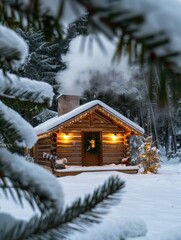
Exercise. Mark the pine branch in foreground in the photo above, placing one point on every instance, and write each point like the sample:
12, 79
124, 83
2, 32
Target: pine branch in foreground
79, 215
14, 129
24, 89
29, 182
14, 190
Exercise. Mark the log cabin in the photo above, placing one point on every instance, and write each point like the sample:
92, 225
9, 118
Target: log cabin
91, 134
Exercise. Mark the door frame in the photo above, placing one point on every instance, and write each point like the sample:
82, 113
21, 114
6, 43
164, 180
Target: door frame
82, 146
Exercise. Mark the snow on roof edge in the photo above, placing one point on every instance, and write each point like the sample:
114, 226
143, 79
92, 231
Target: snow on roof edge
53, 122
67, 94
122, 117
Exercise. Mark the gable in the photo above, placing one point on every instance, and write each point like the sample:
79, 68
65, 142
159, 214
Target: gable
113, 120
99, 120
83, 112
93, 120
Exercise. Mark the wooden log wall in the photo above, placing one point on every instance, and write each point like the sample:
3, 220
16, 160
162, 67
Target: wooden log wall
115, 147
69, 145
43, 145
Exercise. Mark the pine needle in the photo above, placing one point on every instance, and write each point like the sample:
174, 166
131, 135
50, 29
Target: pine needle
81, 213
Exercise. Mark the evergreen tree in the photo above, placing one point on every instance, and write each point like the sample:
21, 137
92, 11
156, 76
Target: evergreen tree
178, 125
78, 27
149, 157
44, 60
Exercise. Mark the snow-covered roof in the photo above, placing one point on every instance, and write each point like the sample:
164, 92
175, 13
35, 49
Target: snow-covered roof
60, 120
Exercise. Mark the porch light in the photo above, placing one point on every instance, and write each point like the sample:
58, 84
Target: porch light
114, 136
66, 136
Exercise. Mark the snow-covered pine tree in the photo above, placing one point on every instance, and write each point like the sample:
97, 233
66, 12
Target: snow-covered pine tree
78, 27
149, 158
135, 143
43, 61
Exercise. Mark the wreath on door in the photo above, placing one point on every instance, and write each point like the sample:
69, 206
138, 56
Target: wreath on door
92, 144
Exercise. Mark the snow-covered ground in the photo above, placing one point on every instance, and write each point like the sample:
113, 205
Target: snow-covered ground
154, 199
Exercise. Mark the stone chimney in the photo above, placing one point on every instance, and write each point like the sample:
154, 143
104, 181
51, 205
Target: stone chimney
67, 103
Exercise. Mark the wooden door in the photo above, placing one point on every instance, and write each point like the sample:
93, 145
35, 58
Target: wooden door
91, 146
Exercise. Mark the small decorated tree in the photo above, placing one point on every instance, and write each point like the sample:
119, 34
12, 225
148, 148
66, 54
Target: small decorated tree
149, 157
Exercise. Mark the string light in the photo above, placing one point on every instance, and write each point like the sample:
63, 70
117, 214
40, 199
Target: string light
99, 110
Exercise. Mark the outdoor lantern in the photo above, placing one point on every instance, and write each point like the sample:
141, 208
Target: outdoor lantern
114, 136
66, 136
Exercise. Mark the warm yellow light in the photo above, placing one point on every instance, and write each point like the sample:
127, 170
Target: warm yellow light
114, 136
92, 142
66, 136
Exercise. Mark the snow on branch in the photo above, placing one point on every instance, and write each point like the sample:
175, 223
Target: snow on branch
155, 24
13, 49
33, 178
15, 129
24, 89
164, 38
8, 226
